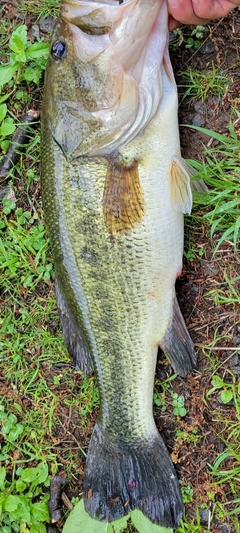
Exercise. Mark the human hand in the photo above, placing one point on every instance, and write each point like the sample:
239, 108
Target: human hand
198, 12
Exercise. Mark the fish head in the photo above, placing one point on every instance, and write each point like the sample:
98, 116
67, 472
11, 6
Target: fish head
99, 87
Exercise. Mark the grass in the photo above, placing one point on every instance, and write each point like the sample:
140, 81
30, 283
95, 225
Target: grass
220, 171
40, 8
47, 410
200, 85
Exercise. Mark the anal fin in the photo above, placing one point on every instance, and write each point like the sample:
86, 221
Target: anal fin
74, 339
177, 343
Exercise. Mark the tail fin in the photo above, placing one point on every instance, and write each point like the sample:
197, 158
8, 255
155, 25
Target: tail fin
177, 343
121, 477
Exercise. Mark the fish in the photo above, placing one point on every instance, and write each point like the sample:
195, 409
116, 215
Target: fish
115, 189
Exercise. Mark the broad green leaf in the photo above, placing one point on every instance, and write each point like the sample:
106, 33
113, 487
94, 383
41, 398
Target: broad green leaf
18, 39
11, 503
21, 57
38, 528
180, 401
20, 485
7, 128
32, 74
15, 432
143, 524
2, 477
12, 419
79, 520
22, 512
4, 145
227, 396
6, 529
217, 382
35, 476
37, 50
39, 512
3, 111
120, 525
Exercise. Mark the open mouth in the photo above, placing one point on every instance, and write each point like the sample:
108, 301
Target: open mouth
92, 16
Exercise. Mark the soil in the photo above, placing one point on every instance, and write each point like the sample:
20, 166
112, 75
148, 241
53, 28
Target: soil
203, 317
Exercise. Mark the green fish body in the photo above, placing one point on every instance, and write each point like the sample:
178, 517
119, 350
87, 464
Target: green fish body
114, 191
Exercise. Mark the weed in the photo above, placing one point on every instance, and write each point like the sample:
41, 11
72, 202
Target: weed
190, 41
20, 505
178, 404
200, 85
220, 171
226, 469
228, 294
229, 391
23, 249
26, 60
193, 40
192, 527
187, 493
17, 510
158, 400
7, 126
87, 399
193, 251
183, 436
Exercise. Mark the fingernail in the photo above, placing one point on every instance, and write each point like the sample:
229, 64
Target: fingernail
195, 1
173, 4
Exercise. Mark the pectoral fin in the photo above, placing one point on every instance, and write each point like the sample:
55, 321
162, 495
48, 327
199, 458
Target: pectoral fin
123, 203
181, 194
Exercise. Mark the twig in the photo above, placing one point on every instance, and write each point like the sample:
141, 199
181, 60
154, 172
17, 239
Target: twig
20, 137
73, 437
216, 348
222, 364
66, 501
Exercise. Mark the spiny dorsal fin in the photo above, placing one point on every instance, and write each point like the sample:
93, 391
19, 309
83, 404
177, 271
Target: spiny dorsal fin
123, 203
181, 194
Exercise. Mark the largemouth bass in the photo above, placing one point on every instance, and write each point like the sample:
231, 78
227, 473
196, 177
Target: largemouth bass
114, 190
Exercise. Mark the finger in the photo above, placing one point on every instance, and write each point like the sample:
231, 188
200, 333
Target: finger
173, 23
213, 9
183, 12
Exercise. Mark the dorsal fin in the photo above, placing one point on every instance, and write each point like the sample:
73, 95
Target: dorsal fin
181, 194
123, 203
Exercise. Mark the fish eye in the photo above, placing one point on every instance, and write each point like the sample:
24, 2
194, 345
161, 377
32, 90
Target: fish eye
58, 50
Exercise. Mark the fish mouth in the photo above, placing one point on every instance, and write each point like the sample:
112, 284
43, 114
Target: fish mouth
94, 17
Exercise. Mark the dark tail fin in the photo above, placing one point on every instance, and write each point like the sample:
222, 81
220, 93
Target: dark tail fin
120, 477
177, 344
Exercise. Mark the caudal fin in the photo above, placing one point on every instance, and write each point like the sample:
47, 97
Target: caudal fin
121, 477
177, 344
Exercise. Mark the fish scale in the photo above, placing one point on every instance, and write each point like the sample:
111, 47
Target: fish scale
114, 209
